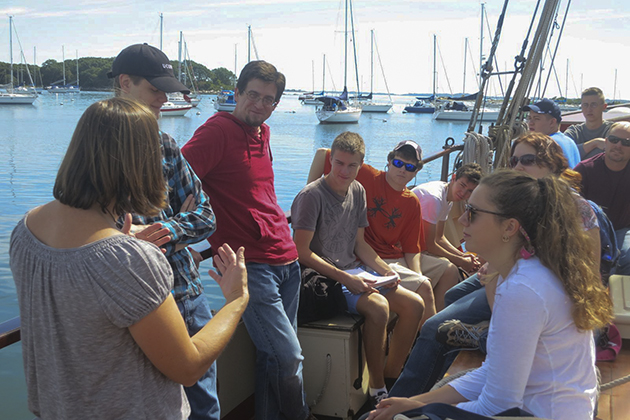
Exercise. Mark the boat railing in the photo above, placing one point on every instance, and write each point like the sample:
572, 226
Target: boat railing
10, 330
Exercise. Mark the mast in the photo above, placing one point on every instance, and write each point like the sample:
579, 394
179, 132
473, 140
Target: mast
434, 63
235, 76
313, 73
249, 42
77, 54
566, 84
371, 61
324, 75
615, 88
11, 48
179, 57
161, 29
465, 53
483, 7
63, 62
345, 51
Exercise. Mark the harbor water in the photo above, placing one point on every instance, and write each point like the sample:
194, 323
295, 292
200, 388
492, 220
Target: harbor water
33, 141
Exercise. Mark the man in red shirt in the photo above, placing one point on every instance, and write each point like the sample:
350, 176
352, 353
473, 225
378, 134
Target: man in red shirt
231, 155
395, 217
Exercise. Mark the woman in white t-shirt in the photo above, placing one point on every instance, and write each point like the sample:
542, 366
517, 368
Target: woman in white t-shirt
548, 299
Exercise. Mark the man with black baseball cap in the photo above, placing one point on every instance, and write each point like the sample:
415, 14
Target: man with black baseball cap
544, 117
144, 73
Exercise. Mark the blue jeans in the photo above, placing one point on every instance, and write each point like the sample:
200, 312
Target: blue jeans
202, 396
429, 359
623, 243
271, 320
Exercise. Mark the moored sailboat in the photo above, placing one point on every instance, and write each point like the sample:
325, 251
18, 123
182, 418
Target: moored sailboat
11, 97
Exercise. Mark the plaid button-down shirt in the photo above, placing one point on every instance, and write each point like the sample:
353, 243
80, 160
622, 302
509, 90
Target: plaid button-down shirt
187, 227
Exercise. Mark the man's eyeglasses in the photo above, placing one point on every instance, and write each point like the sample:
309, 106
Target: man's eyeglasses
526, 160
615, 140
255, 97
409, 167
472, 212
585, 105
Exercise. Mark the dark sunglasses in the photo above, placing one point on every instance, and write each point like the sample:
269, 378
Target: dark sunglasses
615, 140
526, 160
472, 211
409, 167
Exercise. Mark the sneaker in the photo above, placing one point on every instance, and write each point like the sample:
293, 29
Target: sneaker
455, 333
375, 399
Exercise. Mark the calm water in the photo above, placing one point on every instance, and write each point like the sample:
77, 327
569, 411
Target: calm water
33, 140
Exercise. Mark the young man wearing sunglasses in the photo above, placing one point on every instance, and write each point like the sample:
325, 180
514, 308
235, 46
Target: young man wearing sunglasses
395, 230
544, 117
590, 135
329, 218
436, 199
606, 181
231, 154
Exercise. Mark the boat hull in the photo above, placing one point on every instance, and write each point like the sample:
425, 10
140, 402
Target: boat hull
451, 115
350, 115
376, 107
17, 99
224, 106
171, 110
419, 110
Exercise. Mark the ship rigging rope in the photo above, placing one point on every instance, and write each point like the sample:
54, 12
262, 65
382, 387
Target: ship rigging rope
478, 148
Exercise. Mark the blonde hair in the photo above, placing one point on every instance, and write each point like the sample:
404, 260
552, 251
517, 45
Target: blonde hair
547, 210
114, 157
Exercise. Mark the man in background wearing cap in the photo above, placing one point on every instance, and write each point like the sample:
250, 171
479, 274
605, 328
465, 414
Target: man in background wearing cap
395, 231
231, 154
590, 135
329, 218
544, 117
144, 73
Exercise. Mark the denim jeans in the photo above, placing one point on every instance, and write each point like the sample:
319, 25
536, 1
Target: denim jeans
429, 359
202, 396
271, 320
623, 243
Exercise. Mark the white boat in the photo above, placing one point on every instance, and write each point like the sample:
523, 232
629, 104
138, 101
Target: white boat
458, 111
367, 103
10, 97
225, 101
181, 99
170, 109
339, 109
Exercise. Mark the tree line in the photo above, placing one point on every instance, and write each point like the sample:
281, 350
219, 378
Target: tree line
93, 74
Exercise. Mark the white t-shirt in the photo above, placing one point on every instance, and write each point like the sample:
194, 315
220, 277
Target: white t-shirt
537, 359
433, 203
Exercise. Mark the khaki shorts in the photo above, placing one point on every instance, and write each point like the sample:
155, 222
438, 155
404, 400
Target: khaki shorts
433, 267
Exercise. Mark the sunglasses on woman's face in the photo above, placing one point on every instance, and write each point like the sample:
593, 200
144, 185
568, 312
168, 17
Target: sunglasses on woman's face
472, 212
526, 160
409, 167
615, 140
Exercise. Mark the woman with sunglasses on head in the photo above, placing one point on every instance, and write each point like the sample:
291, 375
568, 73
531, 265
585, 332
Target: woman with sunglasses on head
541, 355
102, 336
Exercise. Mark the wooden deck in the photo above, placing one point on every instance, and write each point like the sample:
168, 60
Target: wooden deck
614, 404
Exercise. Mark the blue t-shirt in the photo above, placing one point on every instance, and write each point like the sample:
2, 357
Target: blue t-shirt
569, 148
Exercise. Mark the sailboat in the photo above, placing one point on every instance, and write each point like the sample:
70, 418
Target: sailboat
178, 98
65, 88
10, 96
338, 109
424, 105
368, 104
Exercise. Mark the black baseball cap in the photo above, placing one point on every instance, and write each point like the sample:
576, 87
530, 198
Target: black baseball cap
545, 106
150, 63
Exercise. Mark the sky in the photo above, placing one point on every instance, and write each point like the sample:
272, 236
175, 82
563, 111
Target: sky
294, 35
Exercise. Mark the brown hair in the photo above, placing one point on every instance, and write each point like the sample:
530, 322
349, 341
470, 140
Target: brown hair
546, 208
264, 71
348, 142
550, 154
114, 157
118, 89
594, 91
472, 171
